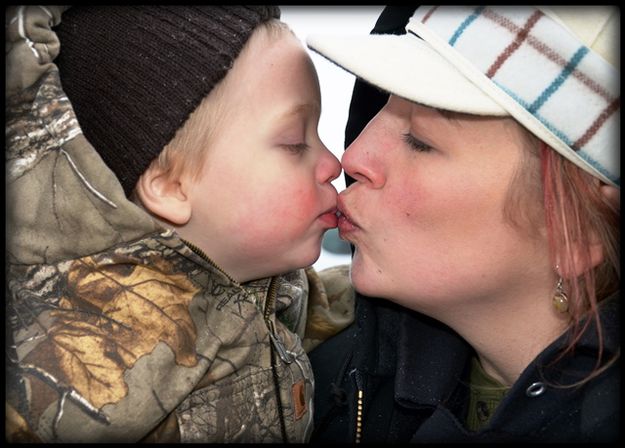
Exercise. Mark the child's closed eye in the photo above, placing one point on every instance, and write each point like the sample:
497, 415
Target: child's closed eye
296, 148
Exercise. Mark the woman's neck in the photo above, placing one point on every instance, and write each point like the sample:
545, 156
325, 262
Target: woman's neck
508, 334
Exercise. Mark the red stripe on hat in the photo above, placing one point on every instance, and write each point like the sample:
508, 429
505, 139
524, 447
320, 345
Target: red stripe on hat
550, 54
429, 14
521, 36
602, 118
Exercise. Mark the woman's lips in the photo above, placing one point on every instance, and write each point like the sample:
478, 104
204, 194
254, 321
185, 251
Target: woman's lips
345, 222
345, 225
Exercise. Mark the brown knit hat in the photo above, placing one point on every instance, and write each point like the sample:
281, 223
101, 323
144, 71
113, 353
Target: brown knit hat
135, 73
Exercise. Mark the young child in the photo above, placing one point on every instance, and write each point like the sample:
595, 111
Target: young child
168, 317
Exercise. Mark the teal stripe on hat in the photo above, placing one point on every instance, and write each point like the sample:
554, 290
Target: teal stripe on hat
555, 85
584, 155
596, 165
572, 102
545, 123
463, 26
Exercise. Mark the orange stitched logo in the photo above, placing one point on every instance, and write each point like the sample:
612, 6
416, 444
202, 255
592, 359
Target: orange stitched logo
299, 398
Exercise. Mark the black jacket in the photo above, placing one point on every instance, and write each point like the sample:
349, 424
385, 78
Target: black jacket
413, 372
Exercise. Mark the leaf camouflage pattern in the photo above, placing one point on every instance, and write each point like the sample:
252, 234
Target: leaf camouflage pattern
109, 318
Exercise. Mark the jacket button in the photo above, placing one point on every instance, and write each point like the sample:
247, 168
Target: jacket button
535, 389
482, 411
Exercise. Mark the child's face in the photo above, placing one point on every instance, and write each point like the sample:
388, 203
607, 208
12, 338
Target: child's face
264, 199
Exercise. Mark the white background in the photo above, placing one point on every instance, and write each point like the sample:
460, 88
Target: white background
336, 83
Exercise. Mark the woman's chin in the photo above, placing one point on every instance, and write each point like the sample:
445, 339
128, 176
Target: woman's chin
364, 279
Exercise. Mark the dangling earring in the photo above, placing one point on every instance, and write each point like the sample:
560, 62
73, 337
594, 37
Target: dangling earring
560, 300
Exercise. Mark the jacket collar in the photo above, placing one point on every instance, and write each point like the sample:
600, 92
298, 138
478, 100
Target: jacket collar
432, 358
425, 356
587, 348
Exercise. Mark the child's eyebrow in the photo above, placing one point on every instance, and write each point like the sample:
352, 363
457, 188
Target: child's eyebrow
302, 109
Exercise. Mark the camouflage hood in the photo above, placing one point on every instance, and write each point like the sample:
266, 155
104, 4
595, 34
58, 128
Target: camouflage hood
117, 330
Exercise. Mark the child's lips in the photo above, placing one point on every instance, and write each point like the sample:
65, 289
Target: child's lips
329, 218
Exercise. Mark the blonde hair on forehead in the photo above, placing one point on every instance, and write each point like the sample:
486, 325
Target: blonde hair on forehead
186, 152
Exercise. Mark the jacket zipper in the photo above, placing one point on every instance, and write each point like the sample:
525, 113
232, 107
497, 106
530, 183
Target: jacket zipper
276, 343
206, 258
359, 403
276, 346
359, 415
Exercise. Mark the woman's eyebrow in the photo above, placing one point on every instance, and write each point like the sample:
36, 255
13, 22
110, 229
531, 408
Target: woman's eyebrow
451, 116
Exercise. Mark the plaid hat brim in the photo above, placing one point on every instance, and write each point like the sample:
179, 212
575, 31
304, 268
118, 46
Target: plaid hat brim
408, 67
506, 61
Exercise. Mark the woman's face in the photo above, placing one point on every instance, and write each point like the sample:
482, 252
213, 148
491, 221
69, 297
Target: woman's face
426, 211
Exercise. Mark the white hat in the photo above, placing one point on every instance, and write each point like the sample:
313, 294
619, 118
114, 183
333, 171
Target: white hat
547, 68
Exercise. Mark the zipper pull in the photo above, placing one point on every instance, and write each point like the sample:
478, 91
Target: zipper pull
285, 356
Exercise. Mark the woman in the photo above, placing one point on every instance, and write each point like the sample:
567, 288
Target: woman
485, 207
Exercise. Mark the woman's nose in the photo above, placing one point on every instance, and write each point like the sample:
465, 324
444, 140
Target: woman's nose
361, 162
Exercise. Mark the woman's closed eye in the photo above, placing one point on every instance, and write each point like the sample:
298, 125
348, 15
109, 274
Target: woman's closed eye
415, 144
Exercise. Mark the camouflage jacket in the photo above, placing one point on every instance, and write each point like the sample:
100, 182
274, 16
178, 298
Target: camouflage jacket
116, 329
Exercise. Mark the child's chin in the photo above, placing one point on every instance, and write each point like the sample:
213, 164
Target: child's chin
309, 258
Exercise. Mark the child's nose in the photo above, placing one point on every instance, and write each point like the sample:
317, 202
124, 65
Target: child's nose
331, 167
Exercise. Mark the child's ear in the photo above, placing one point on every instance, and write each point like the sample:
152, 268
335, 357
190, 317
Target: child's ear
164, 196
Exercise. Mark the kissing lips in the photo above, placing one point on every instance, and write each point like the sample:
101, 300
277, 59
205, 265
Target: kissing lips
329, 218
346, 223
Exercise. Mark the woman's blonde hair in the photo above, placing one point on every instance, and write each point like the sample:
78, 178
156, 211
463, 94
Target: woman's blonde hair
578, 216
575, 215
